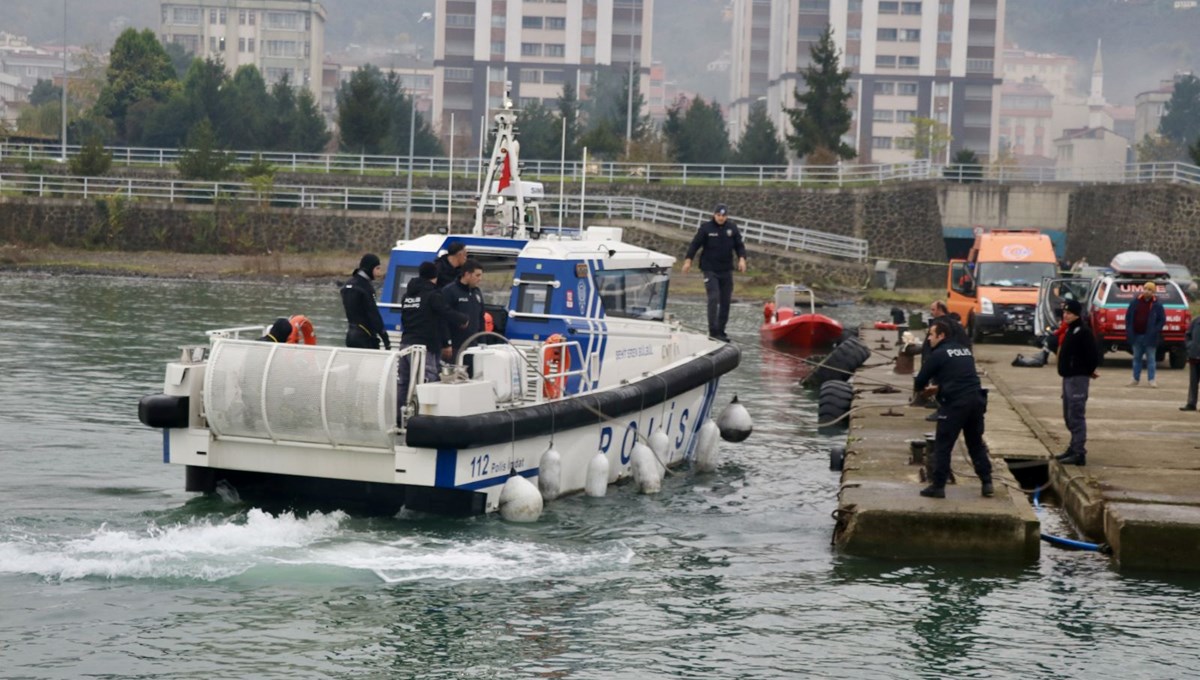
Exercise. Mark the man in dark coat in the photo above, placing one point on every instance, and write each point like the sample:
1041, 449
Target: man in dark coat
961, 406
449, 266
465, 297
1078, 358
718, 238
1144, 321
365, 325
425, 316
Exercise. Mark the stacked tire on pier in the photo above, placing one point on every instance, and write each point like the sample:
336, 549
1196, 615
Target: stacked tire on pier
831, 378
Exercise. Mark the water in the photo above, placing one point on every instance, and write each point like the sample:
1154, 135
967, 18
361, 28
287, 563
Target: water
109, 569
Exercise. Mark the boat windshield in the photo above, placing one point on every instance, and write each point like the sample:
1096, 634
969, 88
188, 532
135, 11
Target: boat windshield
1014, 274
634, 293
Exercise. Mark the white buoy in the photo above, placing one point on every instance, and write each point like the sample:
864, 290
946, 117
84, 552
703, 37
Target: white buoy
734, 422
550, 474
706, 447
646, 470
520, 500
660, 444
596, 484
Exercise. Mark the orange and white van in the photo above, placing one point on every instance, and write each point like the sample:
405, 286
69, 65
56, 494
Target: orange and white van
995, 289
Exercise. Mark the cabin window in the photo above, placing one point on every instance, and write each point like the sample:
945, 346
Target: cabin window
400, 282
634, 293
533, 296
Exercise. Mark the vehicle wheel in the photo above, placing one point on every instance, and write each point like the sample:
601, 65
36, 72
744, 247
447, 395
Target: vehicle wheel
1178, 357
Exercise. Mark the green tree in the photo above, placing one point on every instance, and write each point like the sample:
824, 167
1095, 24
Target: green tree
203, 159
181, 59
308, 133
930, 139
43, 92
608, 102
965, 167
398, 105
603, 141
244, 113
822, 116
362, 116
540, 133
696, 132
93, 159
1159, 149
41, 121
568, 110
760, 143
138, 70
1194, 151
1181, 118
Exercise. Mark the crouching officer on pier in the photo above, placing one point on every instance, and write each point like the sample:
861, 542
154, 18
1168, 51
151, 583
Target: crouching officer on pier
961, 405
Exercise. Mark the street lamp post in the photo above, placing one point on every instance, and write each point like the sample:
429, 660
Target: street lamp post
412, 129
629, 104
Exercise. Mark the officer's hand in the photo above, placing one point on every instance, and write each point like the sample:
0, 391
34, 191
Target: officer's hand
1095, 375
929, 391
447, 353
687, 266
742, 265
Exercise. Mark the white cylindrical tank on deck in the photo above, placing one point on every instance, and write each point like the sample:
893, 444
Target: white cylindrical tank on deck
520, 501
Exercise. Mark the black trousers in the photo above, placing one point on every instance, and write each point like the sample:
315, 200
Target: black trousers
357, 337
719, 288
1193, 382
964, 416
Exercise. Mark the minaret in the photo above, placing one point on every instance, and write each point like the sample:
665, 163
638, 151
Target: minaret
1096, 97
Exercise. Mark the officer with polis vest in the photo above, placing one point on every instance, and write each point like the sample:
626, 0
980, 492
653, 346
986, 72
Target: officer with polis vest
718, 238
464, 296
961, 405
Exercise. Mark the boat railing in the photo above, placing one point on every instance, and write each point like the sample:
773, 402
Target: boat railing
546, 379
416, 377
236, 333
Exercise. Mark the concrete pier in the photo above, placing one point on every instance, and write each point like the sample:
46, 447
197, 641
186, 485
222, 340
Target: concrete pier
1139, 492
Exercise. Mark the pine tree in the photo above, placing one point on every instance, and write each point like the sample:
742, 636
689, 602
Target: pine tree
362, 116
540, 133
822, 117
93, 159
309, 134
696, 132
1194, 151
1181, 118
202, 159
760, 143
568, 110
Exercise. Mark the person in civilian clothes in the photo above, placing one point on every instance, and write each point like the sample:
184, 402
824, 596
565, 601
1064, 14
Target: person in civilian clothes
1078, 358
718, 238
961, 407
1144, 321
1193, 353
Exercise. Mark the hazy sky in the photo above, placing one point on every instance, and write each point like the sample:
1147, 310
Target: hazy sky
1143, 41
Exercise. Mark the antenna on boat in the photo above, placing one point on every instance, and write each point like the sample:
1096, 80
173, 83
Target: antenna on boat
502, 182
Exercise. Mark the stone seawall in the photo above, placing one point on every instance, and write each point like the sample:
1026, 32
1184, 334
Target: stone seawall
1161, 218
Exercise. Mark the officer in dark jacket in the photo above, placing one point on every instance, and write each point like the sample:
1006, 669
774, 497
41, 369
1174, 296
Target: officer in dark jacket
362, 314
465, 297
719, 238
961, 405
425, 315
1078, 358
449, 266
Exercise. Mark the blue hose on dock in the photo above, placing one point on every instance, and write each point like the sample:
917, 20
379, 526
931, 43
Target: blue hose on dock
1071, 543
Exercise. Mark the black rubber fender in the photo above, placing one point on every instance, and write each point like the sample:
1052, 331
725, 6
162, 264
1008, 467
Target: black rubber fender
837, 458
164, 410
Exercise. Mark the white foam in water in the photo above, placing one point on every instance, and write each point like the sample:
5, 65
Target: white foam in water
210, 552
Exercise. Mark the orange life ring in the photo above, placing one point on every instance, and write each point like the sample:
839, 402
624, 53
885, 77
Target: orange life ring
885, 326
555, 360
489, 324
768, 312
302, 329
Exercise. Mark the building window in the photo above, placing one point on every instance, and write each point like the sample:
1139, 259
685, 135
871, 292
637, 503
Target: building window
532, 22
212, 44
885, 87
275, 74
886, 34
853, 34
910, 62
943, 63
556, 23
531, 75
979, 66
885, 61
249, 44
556, 50
945, 36
814, 6
221, 17
188, 16
283, 21
881, 142
281, 48
905, 143
910, 8
531, 49
946, 8
497, 48
588, 24
553, 77
883, 115
461, 75
526, 102
854, 6
887, 7
910, 35
499, 21
251, 17
242, 18
906, 89
212, 16
460, 20
905, 116
852, 60
241, 44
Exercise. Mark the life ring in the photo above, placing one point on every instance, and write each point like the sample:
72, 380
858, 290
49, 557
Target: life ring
489, 324
768, 312
555, 362
302, 330
885, 326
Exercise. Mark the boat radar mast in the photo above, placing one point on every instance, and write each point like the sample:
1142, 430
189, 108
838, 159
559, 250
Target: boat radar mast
504, 195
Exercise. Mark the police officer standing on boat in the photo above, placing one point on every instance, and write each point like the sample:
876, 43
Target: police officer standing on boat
961, 405
464, 296
365, 325
719, 238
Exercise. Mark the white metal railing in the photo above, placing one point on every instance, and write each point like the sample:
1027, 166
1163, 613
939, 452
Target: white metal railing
572, 213
679, 173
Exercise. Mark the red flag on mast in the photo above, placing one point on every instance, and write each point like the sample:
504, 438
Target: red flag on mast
505, 173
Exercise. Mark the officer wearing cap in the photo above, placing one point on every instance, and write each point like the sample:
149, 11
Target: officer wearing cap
718, 239
364, 324
426, 318
961, 405
1078, 358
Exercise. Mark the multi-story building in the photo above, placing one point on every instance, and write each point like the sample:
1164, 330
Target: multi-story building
750, 60
280, 37
537, 45
1026, 113
1150, 106
935, 59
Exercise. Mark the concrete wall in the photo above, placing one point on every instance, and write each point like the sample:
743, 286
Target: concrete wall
1004, 206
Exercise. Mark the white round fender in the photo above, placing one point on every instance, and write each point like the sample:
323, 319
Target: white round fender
520, 500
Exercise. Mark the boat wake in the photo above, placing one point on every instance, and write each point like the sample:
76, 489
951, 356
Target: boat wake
289, 548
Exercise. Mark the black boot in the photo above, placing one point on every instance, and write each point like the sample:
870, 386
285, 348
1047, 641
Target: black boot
934, 491
987, 490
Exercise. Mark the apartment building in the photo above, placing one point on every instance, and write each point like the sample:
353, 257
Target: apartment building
935, 59
537, 45
280, 37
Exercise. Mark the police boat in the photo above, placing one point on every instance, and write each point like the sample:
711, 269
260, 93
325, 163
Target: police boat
584, 380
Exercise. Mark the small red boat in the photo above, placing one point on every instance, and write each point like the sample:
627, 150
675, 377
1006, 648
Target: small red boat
783, 325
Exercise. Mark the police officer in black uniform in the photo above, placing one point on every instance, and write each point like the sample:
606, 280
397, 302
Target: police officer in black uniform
362, 314
961, 405
719, 238
449, 266
425, 316
464, 296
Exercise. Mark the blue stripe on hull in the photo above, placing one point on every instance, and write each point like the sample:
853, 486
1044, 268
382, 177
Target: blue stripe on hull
166, 445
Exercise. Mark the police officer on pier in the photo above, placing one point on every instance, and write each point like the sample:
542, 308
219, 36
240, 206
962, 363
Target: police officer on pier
961, 405
719, 238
